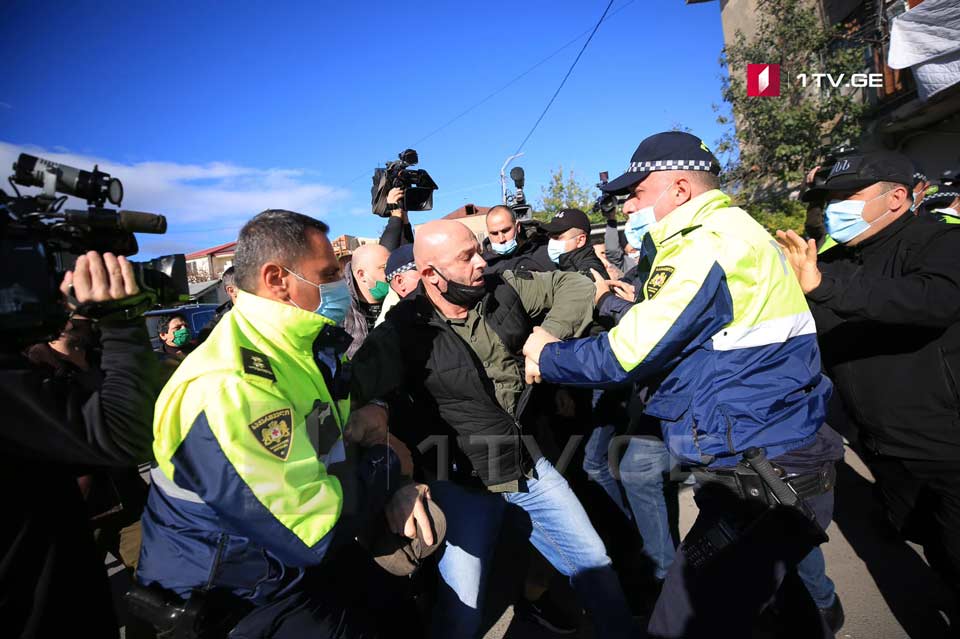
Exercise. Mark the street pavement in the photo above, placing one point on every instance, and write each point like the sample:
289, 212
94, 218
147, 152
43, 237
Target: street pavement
887, 589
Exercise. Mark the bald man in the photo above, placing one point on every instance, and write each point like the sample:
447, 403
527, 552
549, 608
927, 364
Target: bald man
368, 286
447, 361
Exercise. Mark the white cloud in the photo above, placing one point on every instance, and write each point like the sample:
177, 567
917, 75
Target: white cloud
200, 201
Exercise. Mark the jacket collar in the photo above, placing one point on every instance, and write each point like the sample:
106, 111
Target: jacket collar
887, 233
688, 216
280, 323
571, 260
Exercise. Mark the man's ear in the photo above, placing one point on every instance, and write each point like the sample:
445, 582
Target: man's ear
581, 240
896, 197
429, 274
684, 192
275, 281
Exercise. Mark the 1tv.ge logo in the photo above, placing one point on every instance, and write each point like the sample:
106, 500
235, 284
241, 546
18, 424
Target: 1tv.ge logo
763, 80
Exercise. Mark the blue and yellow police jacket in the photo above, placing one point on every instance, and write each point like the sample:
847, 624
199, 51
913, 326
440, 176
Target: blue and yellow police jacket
244, 431
725, 322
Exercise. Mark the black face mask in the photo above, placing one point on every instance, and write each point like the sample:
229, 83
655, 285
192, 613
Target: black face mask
461, 294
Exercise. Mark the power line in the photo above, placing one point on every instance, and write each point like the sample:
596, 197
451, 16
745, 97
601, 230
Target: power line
569, 71
514, 80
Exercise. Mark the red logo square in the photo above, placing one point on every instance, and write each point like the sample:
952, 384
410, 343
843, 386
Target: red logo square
763, 80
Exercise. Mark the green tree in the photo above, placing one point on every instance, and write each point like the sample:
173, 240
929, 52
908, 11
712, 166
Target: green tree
566, 193
770, 142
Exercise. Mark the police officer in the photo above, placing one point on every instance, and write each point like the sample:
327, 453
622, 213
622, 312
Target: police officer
943, 199
728, 329
248, 434
887, 306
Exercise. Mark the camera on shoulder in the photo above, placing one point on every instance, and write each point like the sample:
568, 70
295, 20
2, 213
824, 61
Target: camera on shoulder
40, 240
417, 185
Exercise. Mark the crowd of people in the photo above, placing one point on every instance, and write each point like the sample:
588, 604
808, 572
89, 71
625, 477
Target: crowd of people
404, 442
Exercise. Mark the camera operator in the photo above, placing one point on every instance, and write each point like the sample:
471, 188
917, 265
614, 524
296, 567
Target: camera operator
398, 230
52, 581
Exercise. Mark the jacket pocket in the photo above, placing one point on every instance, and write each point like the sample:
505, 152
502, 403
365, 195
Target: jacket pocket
668, 406
951, 373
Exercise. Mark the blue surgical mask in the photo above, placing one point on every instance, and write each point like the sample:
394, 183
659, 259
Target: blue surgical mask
556, 248
505, 248
334, 299
844, 218
638, 223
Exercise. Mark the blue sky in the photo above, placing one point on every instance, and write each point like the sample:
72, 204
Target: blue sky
210, 112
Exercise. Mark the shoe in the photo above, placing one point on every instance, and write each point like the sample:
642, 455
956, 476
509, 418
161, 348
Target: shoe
544, 612
833, 615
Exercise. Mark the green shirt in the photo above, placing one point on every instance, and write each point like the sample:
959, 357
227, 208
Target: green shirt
564, 300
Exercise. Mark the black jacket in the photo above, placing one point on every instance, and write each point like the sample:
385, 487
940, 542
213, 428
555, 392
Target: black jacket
888, 321
361, 315
432, 377
396, 233
581, 260
52, 581
530, 255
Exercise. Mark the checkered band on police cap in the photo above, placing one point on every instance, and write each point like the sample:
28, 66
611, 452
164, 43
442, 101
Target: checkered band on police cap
409, 266
671, 165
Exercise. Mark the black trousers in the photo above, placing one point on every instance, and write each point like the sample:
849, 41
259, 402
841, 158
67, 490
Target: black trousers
922, 499
726, 596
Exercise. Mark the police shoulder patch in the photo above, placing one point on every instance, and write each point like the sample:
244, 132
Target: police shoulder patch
256, 363
274, 431
657, 279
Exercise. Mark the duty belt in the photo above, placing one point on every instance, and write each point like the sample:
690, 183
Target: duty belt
745, 482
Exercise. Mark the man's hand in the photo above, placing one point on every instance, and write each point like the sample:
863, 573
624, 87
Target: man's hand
623, 290
395, 196
532, 349
602, 286
802, 256
99, 279
531, 371
407, 512
406, 459
367, 426
811, 174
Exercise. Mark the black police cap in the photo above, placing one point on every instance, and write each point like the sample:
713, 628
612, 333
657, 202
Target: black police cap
668, 151
568, 219
854, 172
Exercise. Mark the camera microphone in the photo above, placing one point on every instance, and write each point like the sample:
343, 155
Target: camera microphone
140, 222
93, 186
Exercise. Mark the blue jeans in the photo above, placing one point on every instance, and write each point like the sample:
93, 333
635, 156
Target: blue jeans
561, 532
642, 471
596, 463
812, 570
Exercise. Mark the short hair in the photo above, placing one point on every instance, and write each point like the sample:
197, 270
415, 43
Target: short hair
704, 179
272, 235
163, 325
889, 186
229, 277
510, 211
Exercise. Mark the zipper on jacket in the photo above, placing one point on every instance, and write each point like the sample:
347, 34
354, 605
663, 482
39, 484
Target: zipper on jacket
730, 447
221, 544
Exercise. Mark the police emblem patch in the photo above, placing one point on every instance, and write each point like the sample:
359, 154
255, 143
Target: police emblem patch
256, 363
274, 431
657, 279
